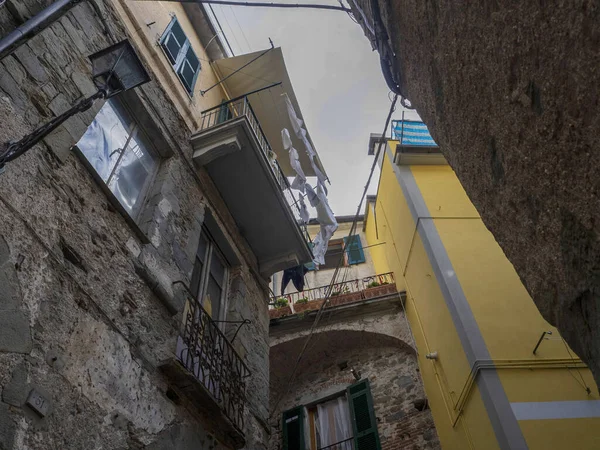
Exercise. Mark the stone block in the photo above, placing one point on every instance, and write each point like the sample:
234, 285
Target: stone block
60, 142
75, 35
49, 90
11, 88
10, 293
31, 63
16, 390
4, 251
15, 69
15, 335
7, 428
84, 83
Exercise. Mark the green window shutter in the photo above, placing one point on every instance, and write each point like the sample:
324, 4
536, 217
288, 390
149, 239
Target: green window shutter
293, 429
364, 422
354, 249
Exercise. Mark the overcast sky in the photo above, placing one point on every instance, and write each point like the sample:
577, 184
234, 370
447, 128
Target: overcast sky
337, 80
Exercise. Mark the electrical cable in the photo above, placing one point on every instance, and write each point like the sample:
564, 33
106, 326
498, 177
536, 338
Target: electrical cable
263, 4
585, 386
329, 289
221, 28
241, 29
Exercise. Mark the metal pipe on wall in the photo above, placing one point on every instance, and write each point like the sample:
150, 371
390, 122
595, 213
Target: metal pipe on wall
42, 20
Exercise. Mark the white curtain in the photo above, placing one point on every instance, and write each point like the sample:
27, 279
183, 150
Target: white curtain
334, 424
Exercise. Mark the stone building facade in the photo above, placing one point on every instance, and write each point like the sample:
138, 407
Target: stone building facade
93, 300
362, 335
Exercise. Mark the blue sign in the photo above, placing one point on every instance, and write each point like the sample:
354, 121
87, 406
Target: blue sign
411, 132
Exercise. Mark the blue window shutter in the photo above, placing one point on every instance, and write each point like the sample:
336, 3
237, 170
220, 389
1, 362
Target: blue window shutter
173, 40
293, 429
364, 422
354, 250
189, 68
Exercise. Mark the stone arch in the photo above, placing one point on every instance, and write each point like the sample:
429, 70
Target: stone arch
327, 349
390, 324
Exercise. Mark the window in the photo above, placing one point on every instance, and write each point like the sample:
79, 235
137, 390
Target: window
181, 55
350, 245
344, 422
333, 254
354, 250
209, 277
121, 154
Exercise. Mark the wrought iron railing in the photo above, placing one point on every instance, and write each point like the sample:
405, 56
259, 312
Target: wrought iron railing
241, 108
344, 287
346, 444
207, 354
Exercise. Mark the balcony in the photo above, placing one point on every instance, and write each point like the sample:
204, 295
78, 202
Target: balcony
208, 371
344, 293
232, 146
415, 144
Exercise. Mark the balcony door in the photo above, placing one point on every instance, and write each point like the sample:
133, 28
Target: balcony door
202, 347
209, 277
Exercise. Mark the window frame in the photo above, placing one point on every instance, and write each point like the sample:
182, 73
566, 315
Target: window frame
181, 57
200, 285
136, 128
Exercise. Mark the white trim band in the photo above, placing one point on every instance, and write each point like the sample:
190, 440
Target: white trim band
577, 409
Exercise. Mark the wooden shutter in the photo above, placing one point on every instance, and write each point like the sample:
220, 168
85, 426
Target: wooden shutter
293, 429
354, 249
364, 423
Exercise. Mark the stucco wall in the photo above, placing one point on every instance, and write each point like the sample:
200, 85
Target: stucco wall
88, 309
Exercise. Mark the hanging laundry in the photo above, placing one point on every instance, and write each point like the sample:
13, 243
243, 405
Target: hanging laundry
303, 210
296, 276
313, 199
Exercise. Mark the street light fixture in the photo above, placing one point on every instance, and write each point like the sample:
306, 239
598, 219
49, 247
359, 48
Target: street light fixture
114, 70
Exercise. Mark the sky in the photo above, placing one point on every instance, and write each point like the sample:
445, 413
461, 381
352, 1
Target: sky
337, 81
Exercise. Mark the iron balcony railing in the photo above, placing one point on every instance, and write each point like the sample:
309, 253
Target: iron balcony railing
345, 287
346, 444
241, 107
207, 354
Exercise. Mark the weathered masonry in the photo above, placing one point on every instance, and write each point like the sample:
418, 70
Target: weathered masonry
133, 282
358, 384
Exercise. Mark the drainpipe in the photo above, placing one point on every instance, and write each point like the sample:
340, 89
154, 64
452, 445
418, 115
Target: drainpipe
34, 25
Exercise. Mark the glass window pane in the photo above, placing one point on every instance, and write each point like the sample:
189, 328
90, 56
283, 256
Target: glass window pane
127, 171
105, 137
212, 299
132, 174
202, 247
173, 41
217, 269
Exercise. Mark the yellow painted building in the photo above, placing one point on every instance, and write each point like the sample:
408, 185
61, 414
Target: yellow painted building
473, 322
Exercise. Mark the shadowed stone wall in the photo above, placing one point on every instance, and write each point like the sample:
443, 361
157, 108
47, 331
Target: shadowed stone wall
509, 90
88, 309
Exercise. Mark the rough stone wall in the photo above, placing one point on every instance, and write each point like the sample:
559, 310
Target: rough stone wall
509, 91
392, 324
88, 309
391, 368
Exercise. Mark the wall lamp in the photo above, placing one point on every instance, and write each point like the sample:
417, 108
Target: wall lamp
115, 69
356, 374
